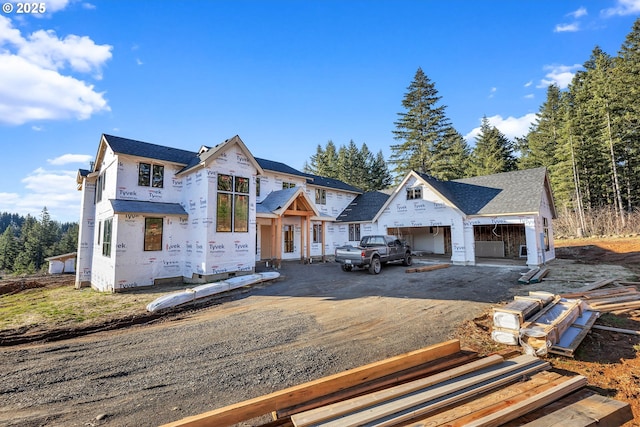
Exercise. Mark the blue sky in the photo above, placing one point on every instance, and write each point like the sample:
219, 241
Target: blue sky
284, 75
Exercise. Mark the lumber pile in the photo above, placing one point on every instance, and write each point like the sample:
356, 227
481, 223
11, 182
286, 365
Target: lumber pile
426, 268
617, 299
437, 385
535, 275
543, 323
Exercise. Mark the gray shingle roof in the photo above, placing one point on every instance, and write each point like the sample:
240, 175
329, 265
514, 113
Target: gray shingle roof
275, 200
330, 183
364, 207
148, 150
140, 207
278, 167
503, 193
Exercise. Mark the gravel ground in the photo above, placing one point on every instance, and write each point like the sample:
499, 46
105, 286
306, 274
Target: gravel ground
314, 321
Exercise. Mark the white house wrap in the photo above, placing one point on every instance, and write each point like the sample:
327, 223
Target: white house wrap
153, 213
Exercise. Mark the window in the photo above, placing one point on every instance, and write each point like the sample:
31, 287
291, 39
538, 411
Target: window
354, 232
286, 185
232, 204
414, 193
153, 234
317, 233
321, 196
150, 175
258, 187
545, 229
100, 184
99, 230
106, 237
288, 238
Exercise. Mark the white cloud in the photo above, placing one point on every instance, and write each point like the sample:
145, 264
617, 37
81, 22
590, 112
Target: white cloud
578, 13
529, 96
70, 158
622, 8
32, 85
88, 6
511, 127
564, 28
56, 5
561, 75
54, 190
139, 62
529, 83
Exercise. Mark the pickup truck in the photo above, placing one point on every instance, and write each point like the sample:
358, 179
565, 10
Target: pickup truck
372, 253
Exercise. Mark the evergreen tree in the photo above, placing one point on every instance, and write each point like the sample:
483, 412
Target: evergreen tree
420, 128
543, 136
451, 156
8, 248
493, 152
378, 177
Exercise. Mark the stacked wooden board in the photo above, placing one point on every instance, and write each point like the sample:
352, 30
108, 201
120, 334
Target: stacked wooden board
619, 298
437, 385
508, 319
535, 275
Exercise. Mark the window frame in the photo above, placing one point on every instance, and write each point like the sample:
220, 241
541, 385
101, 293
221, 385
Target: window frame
153, 176
107, 237
414, 193
354, 232
317, 233
321, 196
232, 203
151, 242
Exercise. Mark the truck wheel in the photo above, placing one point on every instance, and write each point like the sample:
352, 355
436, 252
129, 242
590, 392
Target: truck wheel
346, 267
408, 260
375, 266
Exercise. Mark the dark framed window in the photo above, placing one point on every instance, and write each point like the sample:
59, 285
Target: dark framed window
100, 185
258, 187
317, 233
232, 209
153, 234
288, 238
150, 175
321, 196
354, 232
414, 193
106, 237
545, 229
286, 185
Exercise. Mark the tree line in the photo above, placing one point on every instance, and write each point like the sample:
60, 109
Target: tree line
25, 242
587, 136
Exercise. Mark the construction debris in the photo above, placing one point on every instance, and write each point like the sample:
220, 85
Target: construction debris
438, 385
427, 268
534, 275
544, 323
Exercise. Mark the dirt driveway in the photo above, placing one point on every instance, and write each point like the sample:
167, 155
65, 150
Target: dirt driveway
314, 321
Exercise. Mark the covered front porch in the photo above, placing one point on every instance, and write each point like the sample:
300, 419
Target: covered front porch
289, 227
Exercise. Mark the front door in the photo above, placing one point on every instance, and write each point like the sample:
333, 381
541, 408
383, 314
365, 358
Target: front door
266, 242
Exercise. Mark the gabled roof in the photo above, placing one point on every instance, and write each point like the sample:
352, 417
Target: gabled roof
142, 207
508, 193
364, 207
279, 201
207, 154
514, 192
151, 151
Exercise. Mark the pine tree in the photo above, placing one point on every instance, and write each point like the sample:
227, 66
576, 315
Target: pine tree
451, 156
8, 248
420, 128
493, 152
378, 177
544, 133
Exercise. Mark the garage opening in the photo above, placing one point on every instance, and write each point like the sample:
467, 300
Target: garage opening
425, 240
500, 241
